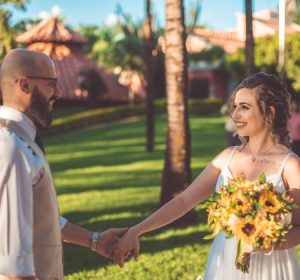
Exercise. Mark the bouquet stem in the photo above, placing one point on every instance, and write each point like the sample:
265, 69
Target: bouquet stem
242, 260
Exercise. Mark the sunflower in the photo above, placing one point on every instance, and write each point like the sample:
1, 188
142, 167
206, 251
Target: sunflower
246, 231
244, 206
270, 202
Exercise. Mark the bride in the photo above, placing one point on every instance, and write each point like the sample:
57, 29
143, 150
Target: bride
260, 109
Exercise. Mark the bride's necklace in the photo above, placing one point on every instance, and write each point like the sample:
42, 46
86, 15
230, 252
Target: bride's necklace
253, 158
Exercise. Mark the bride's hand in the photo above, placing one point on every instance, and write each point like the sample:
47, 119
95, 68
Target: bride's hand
129, 242
266, 251
270, 250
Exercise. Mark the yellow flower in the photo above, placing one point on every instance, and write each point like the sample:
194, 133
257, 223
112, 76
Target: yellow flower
270, 202
246, 231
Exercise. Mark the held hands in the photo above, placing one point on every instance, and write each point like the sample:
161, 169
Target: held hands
129, 242
108, 241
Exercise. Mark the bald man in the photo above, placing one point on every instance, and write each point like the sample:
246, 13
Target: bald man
30, 227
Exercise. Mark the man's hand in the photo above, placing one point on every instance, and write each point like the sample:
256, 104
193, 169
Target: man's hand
108, 241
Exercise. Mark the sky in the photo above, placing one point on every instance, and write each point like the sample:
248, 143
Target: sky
216, 14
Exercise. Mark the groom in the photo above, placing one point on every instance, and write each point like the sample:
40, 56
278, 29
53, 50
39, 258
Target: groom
31, 228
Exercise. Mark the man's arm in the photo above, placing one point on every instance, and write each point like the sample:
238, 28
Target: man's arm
80, 236
21, 278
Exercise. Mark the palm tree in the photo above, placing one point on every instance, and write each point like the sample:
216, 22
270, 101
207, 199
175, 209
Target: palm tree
193, 15
6, 33
249, 48
289, 11
177, 171
149, 47
6, 37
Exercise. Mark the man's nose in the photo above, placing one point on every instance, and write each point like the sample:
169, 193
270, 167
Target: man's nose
58, 92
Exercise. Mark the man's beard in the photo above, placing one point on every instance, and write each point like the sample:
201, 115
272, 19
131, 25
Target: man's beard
39, 110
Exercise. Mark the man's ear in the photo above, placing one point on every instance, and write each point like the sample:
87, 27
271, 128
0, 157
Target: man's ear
24, 84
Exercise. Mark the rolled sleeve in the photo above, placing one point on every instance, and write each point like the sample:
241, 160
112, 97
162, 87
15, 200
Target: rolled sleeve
62, 221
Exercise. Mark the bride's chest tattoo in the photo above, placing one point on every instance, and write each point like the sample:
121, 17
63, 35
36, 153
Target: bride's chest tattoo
263, 165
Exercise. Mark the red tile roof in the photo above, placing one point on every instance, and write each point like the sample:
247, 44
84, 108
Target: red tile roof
50, 30
226, 39
208, 33
230, 41
62, 45
290, 28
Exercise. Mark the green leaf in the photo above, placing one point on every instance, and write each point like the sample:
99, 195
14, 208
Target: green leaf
213, 198
211, 236
262, 178
232, 188
228, 235
248, 217
257, 206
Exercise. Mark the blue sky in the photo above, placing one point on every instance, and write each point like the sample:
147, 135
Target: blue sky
217, 14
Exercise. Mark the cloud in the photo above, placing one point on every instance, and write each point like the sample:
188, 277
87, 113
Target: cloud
56, 10
43, 15
111, 20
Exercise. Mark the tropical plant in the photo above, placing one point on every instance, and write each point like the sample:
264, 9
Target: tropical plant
266, 59
90, 33
6, 31
120, 45
214, 54
193, 15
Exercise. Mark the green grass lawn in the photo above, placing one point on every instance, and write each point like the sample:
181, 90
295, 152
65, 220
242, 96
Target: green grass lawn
105, 179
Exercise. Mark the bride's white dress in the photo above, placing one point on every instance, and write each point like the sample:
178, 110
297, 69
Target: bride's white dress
279, 265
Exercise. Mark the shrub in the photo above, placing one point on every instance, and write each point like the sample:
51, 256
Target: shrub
79, 120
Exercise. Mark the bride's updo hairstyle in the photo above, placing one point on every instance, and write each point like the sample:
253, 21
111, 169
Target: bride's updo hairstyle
270, 92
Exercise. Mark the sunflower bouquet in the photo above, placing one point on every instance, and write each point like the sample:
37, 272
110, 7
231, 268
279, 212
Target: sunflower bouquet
253, 212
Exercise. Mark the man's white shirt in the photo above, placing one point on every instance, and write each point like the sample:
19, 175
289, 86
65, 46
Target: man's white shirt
20, 170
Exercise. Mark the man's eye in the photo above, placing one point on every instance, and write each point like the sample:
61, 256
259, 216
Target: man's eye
53, 85
245, 108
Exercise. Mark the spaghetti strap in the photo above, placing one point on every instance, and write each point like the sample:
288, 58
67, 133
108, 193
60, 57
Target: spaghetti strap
284, 162
231, 155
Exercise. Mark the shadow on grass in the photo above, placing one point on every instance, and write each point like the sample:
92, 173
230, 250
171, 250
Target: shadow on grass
93, 149
116, 146
118, 157
82, 218
139, 212
93, 261
149, 244
108, 181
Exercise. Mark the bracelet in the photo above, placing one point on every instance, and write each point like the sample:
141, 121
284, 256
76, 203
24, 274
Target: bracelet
95, 238
270, 252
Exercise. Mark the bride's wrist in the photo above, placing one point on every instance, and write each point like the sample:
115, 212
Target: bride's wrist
136, 230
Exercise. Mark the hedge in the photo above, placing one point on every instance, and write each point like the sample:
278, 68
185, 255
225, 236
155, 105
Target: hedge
85, 118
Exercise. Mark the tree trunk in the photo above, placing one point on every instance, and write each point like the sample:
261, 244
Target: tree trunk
249, 49
149, 46
177, 171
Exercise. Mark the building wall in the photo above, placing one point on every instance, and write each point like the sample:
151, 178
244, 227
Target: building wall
216, 80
